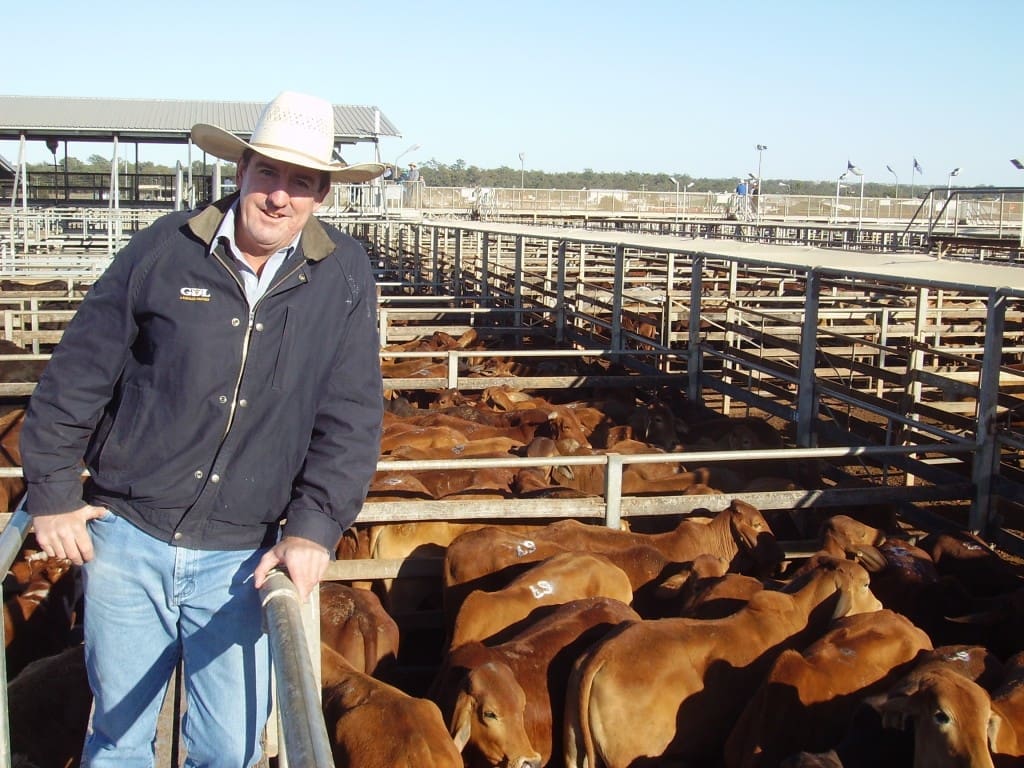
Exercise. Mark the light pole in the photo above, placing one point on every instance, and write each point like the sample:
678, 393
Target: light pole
858, 172
890, 170
760, 156
684, 194
949, 180
522, 176
949, 194
839, 185
402, 154
675, 181
760, 153
1019, 165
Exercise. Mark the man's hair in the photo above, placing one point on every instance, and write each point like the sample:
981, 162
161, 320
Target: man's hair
325, 176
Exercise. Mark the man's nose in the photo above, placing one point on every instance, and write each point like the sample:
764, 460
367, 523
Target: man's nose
277, 196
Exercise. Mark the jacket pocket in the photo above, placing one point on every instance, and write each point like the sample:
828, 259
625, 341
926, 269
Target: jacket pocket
134, 445
283, 359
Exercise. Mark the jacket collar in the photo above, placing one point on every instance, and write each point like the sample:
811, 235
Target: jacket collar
314, 241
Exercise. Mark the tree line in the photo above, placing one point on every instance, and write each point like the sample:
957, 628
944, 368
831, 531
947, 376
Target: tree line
460, 174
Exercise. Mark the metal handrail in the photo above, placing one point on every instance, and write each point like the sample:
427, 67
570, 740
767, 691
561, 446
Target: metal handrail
945, 196
11, 541
303, 729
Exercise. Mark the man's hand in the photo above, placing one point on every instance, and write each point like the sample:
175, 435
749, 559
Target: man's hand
65, 535
305, 560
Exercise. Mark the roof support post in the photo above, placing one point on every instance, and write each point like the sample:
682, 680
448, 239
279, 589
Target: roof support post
179, 186
517, 286
21, 174
560, 293
618, 284
435, 268
484, 249
986, 456
694, 359
807, 396
114, 201
457, 263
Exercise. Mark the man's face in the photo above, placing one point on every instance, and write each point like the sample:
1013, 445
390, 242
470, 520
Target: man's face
276, 201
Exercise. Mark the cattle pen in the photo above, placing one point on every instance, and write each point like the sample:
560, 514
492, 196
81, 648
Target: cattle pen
874, 353
892, 381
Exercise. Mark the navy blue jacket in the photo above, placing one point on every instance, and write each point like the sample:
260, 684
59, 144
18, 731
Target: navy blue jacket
201, 421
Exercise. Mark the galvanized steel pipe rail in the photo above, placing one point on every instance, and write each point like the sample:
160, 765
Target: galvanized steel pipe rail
305, 741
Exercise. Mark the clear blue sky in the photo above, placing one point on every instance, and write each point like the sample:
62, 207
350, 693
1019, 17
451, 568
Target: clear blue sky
679, 86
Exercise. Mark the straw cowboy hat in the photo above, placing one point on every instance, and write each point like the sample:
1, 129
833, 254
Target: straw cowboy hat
294, 128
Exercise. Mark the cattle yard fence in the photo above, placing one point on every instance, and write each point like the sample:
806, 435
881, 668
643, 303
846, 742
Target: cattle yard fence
911, 386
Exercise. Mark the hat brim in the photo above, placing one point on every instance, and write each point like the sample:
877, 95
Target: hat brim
227, 146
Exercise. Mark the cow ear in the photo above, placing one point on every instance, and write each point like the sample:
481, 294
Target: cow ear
994, 722
871, 558
461, 723
897, 711
844, 603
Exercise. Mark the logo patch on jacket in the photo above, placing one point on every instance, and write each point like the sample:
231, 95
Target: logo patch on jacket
194, 294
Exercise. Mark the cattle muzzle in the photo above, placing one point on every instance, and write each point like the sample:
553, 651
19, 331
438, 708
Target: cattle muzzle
525, 761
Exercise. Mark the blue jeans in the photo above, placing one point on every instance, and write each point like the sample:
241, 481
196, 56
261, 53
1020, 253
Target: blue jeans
149, 604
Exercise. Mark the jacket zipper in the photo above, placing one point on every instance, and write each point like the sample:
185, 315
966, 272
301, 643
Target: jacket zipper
218, 252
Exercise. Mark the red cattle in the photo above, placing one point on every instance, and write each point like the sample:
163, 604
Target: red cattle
11, 488
397, 486
973, 562
672, 688
488, 557
374, 725
423, 539
725, 433
739, 533
1006, 736
485, 716
904, 577
808, 699
950, 715
490, 617
868, 743
540, 658
40, 616
716, 596
401, 434
655, 423
354, 623
48, 710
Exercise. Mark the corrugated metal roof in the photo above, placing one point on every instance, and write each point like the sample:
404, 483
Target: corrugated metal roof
159, 120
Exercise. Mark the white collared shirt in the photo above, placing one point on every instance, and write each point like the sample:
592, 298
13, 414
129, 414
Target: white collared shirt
255, 285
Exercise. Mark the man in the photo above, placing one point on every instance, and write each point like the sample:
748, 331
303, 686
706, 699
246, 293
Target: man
221, 383
742, 204
412, 177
